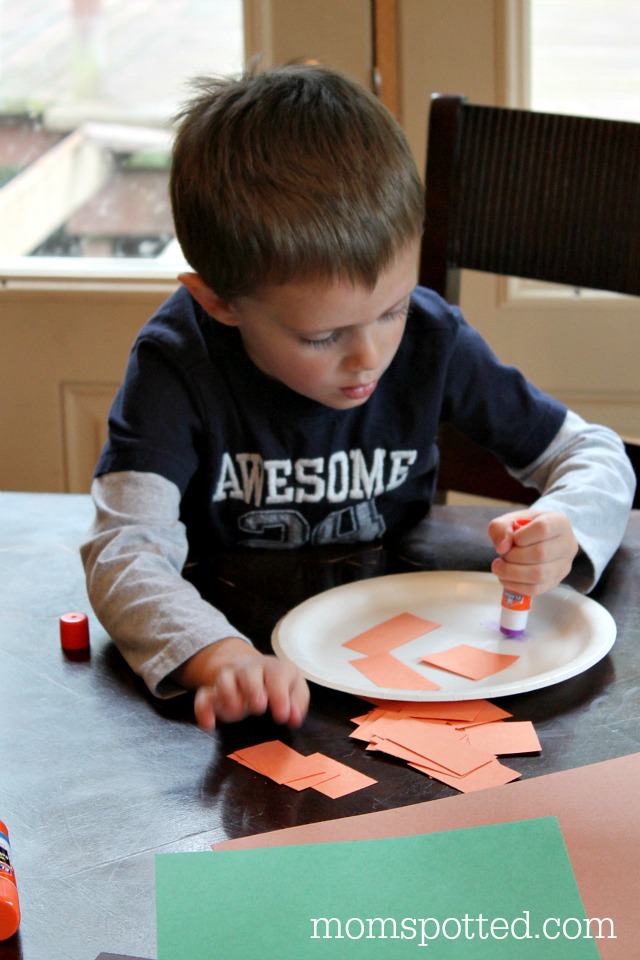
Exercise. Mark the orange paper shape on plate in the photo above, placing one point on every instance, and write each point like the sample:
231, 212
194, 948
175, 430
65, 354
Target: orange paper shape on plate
467, 661
385, 670
390, 634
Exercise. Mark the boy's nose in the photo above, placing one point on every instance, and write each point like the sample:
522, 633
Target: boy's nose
363, 355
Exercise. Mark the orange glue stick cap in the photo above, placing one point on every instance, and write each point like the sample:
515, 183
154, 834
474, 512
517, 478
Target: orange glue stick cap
9, 904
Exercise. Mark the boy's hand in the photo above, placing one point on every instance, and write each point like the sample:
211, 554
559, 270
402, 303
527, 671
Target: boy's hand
536, 557
233, 681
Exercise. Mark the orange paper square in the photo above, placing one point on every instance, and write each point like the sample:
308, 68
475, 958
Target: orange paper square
403, 753
276, 760
460, 712
492, 774
518, 736
467, 661
488, 713
385, 670
390, 634
441, 744
281, 763
341, 780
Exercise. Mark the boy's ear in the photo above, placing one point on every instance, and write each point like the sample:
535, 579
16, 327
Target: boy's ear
219, 309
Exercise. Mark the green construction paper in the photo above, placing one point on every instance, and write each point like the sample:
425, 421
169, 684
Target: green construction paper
261, 903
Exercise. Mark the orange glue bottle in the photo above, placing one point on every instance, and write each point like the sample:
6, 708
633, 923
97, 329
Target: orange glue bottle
9, 905
514, 607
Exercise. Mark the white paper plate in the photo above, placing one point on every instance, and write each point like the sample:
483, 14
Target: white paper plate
566, 634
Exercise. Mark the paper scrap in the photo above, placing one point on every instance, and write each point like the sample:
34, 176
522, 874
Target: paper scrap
439, 743
341, 780
468, 711
488, 713
468, 661
493, 774
304, 782
502, 739
460, 714
390, 634
385, 670
276, 760
404, 753
287, 767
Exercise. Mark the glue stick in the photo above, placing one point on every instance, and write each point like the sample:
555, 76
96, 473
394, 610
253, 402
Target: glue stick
514, 607
9, 906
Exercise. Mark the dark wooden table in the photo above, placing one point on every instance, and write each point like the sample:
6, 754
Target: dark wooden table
96, 777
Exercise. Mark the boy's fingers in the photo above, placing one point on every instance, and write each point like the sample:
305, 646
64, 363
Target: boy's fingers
501, 530
287, 691
530, 580
250, 687
282, 688
541, 556
227, 700
501, 533
296, 716
204, 709
300, 697
230, 697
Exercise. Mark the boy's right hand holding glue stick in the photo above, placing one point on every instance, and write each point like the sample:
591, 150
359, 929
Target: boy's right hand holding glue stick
534, 555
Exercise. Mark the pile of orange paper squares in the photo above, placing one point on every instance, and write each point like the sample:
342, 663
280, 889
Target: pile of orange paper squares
285, 765
457, 742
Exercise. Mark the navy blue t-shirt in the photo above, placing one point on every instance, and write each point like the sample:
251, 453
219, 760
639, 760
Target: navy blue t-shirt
260, 465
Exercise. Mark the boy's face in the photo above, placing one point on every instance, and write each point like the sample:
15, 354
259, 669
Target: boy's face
331, 341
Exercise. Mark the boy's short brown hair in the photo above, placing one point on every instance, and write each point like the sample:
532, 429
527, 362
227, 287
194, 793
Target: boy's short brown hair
295, 173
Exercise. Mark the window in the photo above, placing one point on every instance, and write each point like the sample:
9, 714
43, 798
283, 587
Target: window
585, 57
580, 57
87, 90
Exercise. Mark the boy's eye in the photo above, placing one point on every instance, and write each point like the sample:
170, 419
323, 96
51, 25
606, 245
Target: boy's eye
397, 314
324, 342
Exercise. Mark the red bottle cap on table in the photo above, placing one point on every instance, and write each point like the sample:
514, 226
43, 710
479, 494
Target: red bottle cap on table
74, 631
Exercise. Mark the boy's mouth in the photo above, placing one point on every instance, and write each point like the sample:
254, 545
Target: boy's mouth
359, 392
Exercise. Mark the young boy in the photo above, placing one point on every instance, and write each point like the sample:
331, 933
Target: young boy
290, 391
